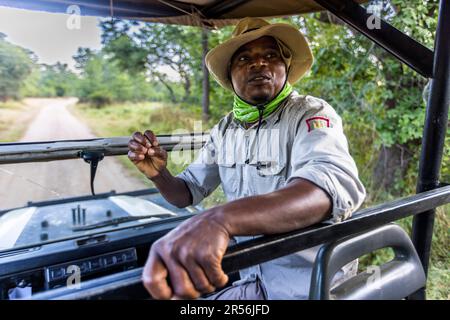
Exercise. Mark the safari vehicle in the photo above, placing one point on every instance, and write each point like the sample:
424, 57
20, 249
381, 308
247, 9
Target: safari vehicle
111, 249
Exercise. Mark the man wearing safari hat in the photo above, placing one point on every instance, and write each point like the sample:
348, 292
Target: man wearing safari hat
283, 162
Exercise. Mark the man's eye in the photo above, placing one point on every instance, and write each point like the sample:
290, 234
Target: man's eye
243, 58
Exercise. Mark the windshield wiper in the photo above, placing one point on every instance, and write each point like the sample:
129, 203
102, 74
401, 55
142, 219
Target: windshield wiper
116, 221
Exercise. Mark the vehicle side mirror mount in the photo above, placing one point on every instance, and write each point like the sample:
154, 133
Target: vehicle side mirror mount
93, 158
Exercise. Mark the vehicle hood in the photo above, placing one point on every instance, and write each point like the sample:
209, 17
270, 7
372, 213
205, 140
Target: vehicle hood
34, 224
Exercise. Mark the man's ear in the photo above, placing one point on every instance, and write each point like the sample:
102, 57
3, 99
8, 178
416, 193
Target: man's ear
287, 72
229, 76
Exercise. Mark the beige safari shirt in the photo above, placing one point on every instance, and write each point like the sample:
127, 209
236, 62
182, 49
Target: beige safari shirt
303, 138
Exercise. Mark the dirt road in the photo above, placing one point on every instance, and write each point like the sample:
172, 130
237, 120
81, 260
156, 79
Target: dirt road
20, 183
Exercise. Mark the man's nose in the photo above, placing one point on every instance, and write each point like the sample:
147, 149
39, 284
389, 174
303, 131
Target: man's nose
258, 61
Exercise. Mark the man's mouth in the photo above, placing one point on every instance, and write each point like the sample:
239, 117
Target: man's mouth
259, 78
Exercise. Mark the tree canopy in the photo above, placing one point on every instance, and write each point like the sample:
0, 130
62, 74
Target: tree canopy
15, 66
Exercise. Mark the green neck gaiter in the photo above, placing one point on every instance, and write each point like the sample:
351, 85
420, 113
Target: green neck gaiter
246, 112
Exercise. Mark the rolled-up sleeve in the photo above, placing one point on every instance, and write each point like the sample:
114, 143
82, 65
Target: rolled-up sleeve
320, 154
202, 175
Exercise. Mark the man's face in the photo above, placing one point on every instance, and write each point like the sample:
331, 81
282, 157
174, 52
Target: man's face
258, 71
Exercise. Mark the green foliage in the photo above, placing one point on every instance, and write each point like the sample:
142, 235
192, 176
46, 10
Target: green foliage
52, 81
15, 66
103, 82
144, 48
372, 91
99, 97
21, 76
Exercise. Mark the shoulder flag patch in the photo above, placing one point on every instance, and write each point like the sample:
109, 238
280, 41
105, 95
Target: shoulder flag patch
317, 123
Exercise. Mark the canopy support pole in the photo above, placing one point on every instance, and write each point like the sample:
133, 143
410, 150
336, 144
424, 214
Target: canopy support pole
433, 138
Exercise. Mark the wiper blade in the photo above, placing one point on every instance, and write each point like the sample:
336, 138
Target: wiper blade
116, 221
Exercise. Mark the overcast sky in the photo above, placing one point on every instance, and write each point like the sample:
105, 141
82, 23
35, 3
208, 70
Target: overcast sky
47, 34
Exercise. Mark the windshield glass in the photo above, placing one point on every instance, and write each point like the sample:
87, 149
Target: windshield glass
64, 83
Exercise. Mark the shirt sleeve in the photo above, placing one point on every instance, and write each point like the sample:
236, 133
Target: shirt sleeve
320, 154
202, 175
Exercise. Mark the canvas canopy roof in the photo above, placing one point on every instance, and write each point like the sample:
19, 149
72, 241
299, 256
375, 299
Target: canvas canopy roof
212, 13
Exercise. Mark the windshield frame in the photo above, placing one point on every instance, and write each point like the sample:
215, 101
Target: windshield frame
94, 234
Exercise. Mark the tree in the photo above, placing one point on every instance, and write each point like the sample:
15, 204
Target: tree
404, 98
373, 92
94, 82
103, 81
82, 57
147, 47
15, 65
57, 80
205, 83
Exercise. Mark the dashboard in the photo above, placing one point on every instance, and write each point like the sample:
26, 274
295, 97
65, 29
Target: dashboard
61, 265
95, 246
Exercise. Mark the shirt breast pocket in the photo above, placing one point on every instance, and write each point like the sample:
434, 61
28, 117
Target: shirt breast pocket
229, 177
268, 176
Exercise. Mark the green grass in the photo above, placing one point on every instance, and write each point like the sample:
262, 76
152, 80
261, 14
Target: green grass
438, 282
10, 104
124, 119
13, 120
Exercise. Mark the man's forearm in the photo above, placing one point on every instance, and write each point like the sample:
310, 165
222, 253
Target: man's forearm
173, 189
298, 205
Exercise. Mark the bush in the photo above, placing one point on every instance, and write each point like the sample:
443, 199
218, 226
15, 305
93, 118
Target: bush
100, 98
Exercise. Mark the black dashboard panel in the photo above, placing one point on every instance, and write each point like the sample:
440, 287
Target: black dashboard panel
124, 285
83, 269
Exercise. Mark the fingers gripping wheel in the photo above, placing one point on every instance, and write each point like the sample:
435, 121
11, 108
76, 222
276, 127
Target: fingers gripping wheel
93, 158
396, 279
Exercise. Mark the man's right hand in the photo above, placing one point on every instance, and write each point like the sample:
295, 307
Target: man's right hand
146, 154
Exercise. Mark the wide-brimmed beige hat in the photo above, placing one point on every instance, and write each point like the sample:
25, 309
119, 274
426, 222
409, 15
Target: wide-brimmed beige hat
249, 29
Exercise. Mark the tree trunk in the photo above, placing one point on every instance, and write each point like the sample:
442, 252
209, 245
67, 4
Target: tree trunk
393, 161
173, 98
205, 84
391, 167
187, 87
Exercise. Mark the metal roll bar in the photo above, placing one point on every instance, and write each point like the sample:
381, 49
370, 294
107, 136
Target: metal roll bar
73, 149
256, 251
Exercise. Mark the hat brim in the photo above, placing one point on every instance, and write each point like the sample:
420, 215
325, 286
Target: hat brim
217, 59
